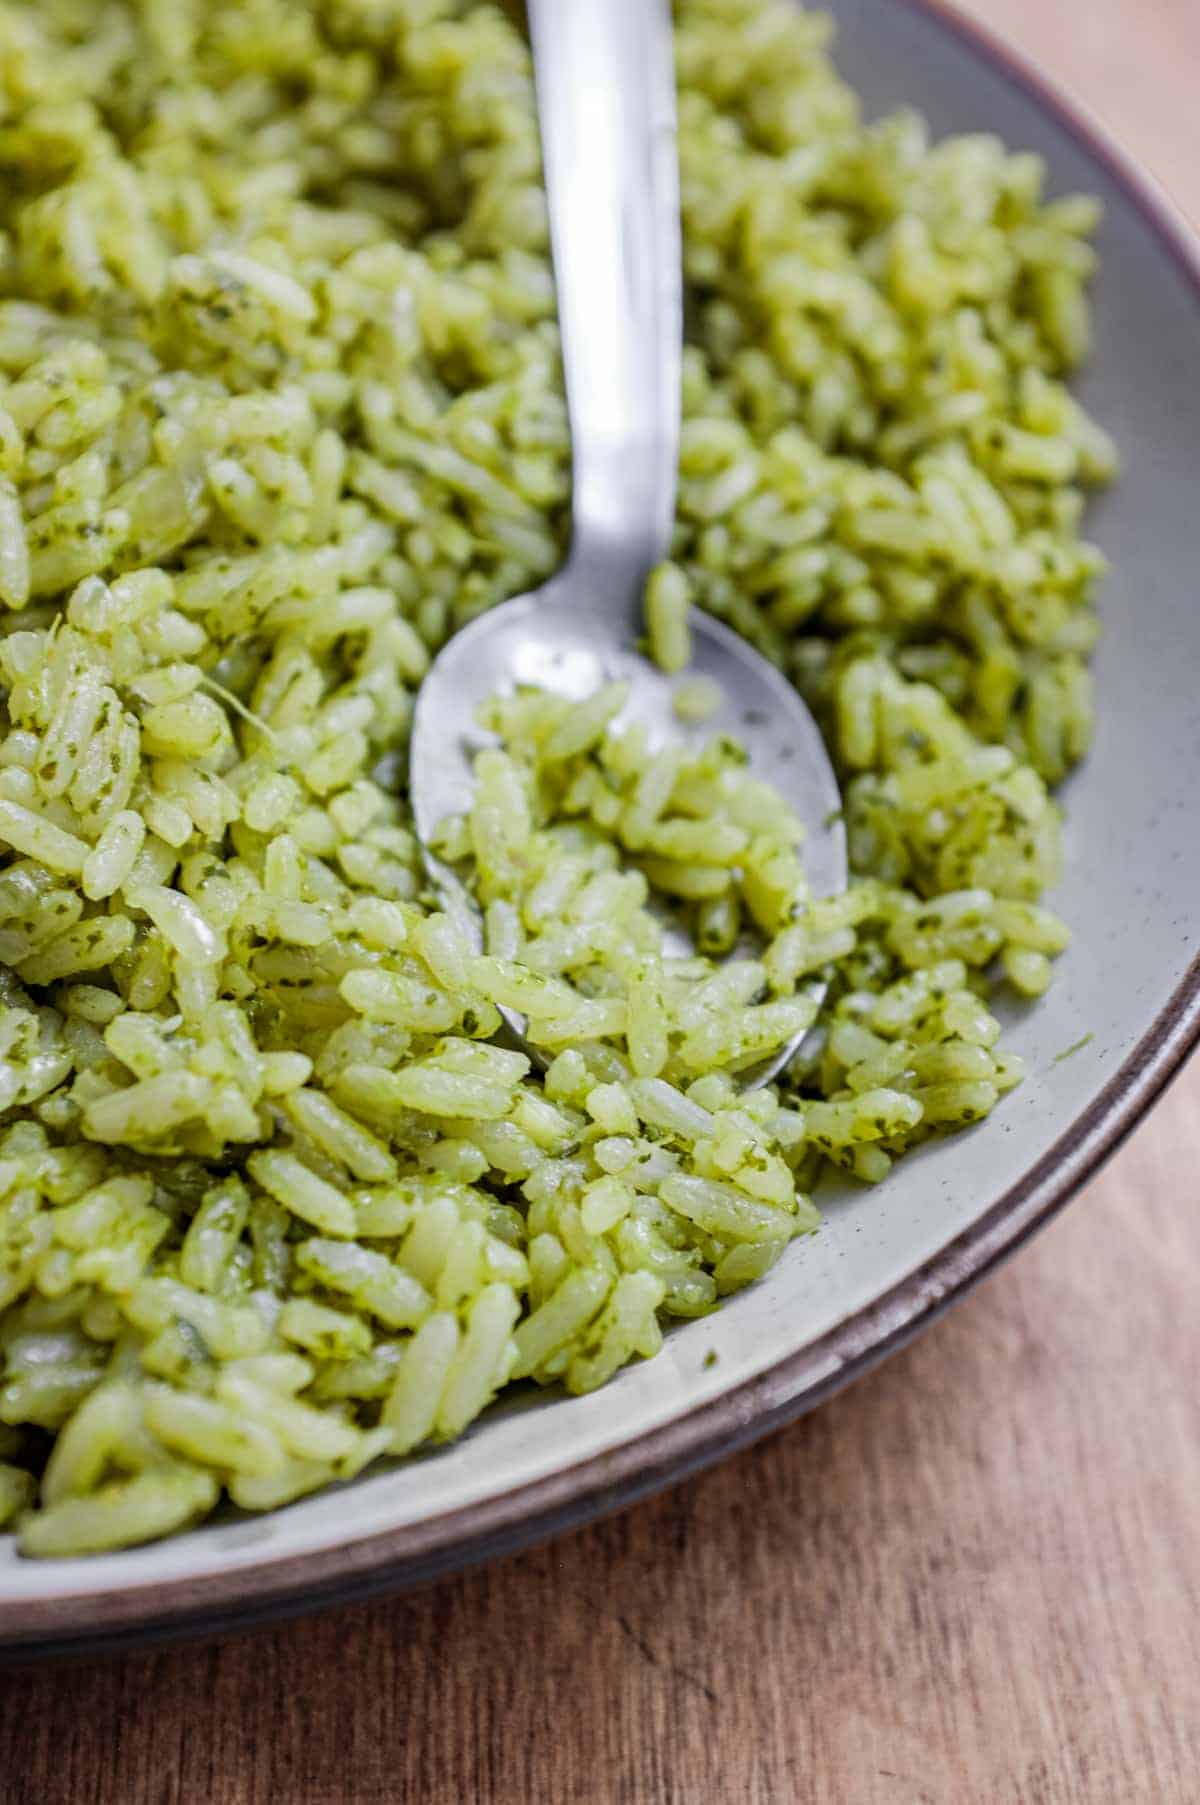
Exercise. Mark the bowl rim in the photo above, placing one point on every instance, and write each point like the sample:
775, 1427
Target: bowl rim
417, 1553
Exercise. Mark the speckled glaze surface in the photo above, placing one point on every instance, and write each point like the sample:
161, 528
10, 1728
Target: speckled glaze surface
886, 1261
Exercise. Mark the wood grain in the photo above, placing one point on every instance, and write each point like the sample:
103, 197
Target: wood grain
973, 1578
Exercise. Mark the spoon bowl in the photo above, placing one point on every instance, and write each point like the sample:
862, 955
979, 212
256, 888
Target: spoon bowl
547, 640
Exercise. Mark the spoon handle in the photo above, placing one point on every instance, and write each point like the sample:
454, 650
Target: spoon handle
606, 107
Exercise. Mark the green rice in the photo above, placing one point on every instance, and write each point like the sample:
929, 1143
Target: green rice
280, 408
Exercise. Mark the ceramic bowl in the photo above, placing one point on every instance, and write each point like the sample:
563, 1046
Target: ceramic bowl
888, 1260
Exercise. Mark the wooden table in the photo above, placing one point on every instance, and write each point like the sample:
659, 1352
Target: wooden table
974, 1579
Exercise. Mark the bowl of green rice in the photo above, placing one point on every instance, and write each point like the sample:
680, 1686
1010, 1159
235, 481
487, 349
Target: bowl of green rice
311, 1280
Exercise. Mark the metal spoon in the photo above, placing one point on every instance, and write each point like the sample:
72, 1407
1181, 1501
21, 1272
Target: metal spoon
606, 107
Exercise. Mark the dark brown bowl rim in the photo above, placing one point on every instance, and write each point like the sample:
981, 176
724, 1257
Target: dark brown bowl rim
416, 1553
